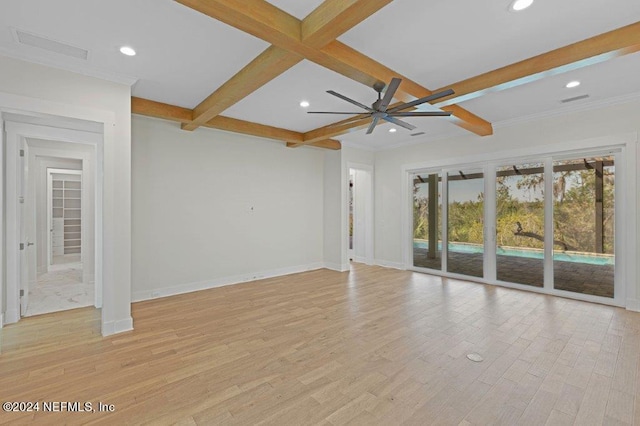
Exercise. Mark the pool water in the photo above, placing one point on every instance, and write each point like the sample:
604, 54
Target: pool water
577, 257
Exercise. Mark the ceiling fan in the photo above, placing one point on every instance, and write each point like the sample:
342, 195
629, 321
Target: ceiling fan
380, 108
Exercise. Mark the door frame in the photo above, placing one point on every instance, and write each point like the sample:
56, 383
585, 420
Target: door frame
368, 201
16, 134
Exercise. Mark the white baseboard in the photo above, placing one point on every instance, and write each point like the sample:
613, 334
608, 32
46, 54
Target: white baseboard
336, 266
119, 326
138, 296
1, 324
389, 264
633, 305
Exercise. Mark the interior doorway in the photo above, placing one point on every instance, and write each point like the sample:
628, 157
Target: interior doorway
52, 215
60, 283
360, 213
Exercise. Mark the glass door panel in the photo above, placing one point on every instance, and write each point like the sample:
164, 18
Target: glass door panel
465, 222
520, 224
583, 220
427, 224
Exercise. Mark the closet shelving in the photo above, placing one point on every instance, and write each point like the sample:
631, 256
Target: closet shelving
67, 213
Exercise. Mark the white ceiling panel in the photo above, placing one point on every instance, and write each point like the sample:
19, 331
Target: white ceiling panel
619, 77
278, 102
182, 55
440, 42
299, 9
381, 138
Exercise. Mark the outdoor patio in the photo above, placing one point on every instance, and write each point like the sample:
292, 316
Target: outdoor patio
576, 277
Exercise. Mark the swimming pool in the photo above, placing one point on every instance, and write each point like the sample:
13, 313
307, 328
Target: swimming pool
568, 256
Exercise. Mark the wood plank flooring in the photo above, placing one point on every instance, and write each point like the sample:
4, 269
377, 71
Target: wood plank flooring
374, 346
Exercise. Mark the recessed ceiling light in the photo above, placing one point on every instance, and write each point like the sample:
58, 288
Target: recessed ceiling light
304, 104
572, 84
518, 5
392, 130
126, 50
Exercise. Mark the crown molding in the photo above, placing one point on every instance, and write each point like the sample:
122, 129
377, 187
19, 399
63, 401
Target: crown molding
568, 109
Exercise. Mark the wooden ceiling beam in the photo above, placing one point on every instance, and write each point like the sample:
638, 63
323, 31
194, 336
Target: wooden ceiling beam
328, 21
264, 68
606, 46
155, 109
178, 114
600, 48
256, 17
328, 144
324, 24
335, 17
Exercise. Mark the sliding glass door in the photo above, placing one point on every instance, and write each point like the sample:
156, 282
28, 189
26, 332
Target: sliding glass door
520, 224
553, 220
427, 225
465, 222
583, 222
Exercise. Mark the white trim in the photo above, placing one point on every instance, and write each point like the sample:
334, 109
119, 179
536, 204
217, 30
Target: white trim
390, 264
114, 327
336, 267
174, 290
633, 305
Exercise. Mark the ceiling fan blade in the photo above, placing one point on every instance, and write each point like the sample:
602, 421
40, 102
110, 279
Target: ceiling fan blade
420, 114
399, 123
373, 125
431, 97
388, 94
334, 112
351, 101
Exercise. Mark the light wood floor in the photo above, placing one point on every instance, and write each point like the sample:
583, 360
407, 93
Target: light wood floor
374, 346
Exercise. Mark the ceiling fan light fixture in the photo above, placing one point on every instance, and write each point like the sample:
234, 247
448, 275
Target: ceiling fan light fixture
393, 130
518, 5
127, 50
572, 84
304, 104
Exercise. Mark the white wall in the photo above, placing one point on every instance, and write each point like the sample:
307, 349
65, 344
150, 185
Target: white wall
604, 122
213, 208
333, 247
30, 87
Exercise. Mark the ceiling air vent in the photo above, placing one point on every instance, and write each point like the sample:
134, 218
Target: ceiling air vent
417, 134
577, 98
51, 45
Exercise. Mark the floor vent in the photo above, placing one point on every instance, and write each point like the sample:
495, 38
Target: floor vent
577, 98
417, 134
51, 45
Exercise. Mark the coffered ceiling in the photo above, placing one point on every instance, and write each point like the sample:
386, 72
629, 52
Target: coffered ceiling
209, 62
